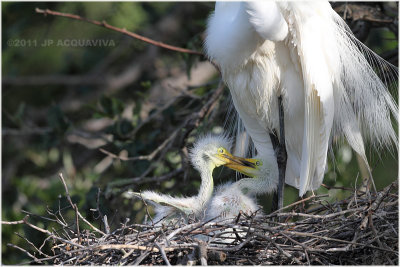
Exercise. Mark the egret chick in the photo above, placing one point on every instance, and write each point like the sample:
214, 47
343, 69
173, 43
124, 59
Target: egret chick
208, 153
231, 198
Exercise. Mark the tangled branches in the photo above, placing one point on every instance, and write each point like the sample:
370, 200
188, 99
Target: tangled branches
362, 229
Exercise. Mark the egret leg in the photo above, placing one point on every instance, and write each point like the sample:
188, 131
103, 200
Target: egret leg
282, 155
281, 158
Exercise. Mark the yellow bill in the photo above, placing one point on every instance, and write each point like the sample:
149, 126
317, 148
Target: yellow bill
247, 166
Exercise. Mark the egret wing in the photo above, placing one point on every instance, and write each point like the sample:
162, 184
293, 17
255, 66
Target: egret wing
316, 57
267, 20
181, 204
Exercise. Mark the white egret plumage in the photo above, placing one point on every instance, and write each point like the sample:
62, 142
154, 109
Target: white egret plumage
231, 198
208, 153
304, 52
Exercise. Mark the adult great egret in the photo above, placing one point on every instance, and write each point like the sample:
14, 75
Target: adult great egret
208, 152
305, 53
231, 198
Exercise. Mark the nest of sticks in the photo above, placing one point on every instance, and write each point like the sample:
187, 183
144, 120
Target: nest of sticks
362, 229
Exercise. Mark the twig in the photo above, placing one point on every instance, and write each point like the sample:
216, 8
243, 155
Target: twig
186, 227
334, 239
123, 31
164, 256
147, 209
296, 203
235, 248
371, 224
202, 250
316, 216
337, 187
33, 245
26, 252
374, 206
126, 246
14, 222
141, 258
300, 244
280, 249
76, 210
148, 157
51, 234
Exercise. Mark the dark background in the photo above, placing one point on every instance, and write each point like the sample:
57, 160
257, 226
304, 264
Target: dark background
63, 101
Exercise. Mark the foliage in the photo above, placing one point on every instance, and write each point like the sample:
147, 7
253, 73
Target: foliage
63, 102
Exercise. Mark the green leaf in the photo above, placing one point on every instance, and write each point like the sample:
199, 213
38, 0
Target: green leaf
57, 120
111, 106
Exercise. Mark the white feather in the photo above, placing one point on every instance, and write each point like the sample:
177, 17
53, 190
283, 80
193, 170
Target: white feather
183, 207
231, 198
326, 78
267, 20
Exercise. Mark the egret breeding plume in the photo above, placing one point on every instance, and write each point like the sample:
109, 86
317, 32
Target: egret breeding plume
208, 153
231, 198
304, 53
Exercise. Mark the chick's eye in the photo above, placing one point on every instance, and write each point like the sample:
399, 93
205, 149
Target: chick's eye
221, 150
258, 163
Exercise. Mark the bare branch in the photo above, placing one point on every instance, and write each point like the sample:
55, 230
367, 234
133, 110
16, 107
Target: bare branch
123, 31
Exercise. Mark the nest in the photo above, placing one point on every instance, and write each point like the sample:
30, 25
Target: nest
362, 229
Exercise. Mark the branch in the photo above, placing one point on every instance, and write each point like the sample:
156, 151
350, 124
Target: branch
76, 208
123, 31
13, 222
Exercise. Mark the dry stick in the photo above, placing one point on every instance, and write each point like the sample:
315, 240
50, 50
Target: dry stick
315, 216
375, 205
148, 157
44, 242
334, 239
253, 216
41, 217
124, 246
235, 248
337, 187
300, 244
102, 218
288, 255
123, 31
296, 203
127, 254
236, 221
141, 258
106, 226
76, 210
33, 245
78, 232
186, 227
59, 211
202, 250
147, 209
163, 255
26, 252
51, 234
14, 222
371, 225
50, 212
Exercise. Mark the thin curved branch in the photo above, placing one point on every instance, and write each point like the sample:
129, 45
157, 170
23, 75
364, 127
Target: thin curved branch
123, 31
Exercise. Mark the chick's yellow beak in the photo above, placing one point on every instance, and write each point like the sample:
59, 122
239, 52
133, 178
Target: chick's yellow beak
247, 166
